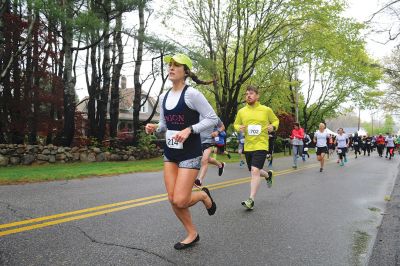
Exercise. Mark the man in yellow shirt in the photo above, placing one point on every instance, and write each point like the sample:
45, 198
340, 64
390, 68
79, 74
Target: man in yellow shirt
255, 121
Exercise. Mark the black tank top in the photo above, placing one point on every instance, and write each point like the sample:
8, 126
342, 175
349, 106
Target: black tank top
179, 118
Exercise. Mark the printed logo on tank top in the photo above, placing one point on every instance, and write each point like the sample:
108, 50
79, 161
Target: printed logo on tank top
175, 119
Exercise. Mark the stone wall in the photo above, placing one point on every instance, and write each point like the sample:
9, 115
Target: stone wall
12, 154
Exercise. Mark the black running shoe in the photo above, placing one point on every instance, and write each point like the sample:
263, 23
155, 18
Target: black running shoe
180, 245
197, 182
270, 178
213, 208
221, 169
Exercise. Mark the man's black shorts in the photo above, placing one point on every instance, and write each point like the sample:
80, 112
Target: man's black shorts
322, 150
343, 150
205, 146
255, 158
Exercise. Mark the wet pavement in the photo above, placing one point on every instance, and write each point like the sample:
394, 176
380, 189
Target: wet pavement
306, 218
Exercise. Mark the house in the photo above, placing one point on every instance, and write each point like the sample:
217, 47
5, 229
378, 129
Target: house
125, 122
126, 109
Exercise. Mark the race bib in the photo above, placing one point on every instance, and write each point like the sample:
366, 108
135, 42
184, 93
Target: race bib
172, 143
254, 130
216, 138
355, 143
305, 149
368, 143
339, 151
242, 141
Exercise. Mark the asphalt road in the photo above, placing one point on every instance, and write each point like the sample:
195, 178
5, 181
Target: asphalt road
386, 250
306, 218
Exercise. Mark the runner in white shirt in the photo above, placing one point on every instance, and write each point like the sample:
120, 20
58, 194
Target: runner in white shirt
320, 137
342, 143
389, 146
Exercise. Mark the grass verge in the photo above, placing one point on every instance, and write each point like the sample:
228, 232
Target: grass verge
51, 172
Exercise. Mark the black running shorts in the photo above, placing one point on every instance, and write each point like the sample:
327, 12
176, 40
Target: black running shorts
255, 158
322, 150
205, 146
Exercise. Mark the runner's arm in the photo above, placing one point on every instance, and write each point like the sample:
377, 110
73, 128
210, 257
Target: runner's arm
162, 126
238, 122
308, 139
196, 101
273, 119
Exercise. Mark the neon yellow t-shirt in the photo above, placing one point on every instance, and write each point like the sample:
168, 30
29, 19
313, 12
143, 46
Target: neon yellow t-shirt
256, 118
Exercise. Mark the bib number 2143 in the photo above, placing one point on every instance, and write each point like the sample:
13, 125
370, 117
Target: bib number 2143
172, 143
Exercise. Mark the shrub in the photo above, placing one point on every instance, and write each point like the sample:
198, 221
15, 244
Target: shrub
232, 144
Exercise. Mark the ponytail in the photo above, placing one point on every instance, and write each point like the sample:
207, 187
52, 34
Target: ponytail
194, 77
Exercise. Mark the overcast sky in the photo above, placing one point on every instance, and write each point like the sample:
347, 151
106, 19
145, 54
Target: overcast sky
361, 10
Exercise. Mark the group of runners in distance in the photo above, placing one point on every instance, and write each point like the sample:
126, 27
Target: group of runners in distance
194, 135
326, 144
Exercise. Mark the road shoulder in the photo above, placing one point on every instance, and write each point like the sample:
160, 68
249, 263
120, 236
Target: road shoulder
386, 250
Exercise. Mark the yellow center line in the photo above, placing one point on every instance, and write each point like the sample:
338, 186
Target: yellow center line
109, 208
79, 217
44, 218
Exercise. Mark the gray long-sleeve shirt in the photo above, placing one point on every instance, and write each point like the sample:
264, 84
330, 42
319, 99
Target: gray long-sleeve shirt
195, 100
206, 134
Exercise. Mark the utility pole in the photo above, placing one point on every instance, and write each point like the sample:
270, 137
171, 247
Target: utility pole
296, 76
372, 123
297, 104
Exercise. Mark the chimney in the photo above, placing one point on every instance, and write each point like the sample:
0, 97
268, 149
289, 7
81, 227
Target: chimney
123, 83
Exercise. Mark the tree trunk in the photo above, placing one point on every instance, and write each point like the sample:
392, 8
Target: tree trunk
136, 76
4, 57
68, 79
93, 91
102, 104
114, 103
53, 84
163, 81
15, 107
3, 9
35, 89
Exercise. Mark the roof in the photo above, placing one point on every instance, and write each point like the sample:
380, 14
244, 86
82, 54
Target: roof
125, 106
127, 96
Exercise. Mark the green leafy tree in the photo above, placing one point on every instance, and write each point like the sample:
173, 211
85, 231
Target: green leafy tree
236, 36
336, 69
388, 126
392, 74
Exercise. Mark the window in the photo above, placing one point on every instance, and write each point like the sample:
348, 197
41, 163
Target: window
121, 126
145, 108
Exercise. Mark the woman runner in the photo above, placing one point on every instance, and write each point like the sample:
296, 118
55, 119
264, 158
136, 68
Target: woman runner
380, 144
297, 137
342, 143
389, 146
180, 109
320, 138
